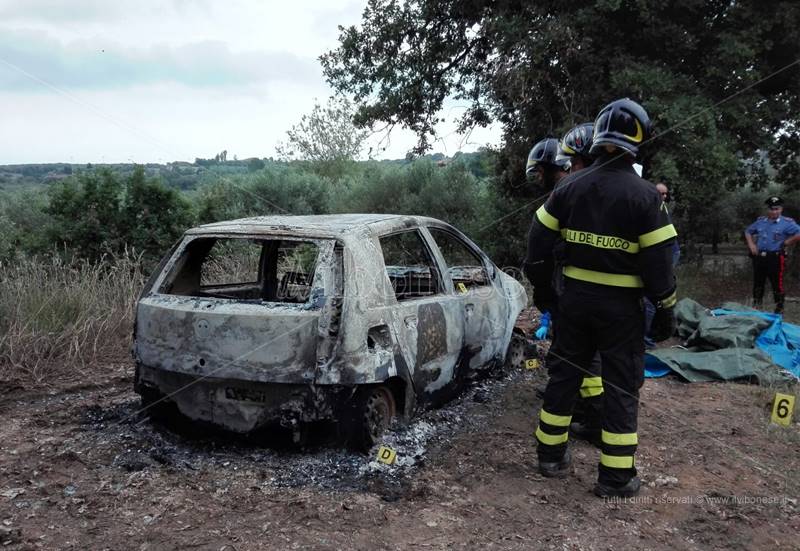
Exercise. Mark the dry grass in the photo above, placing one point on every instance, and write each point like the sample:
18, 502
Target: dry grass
721, 279
59, 319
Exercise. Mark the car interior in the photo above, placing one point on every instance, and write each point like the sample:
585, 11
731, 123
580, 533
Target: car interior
269, 270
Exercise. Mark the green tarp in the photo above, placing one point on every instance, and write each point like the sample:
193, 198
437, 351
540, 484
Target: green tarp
718, 348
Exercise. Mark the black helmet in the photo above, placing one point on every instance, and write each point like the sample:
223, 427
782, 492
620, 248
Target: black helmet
546, 153
622, 123
578, 141
774, 201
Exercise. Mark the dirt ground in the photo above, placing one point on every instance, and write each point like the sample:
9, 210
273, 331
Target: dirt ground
79, 469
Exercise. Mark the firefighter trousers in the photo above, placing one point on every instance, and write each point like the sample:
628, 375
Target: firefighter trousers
589, 407
611, 321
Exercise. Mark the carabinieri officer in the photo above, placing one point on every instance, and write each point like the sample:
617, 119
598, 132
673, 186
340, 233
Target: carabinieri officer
767, 239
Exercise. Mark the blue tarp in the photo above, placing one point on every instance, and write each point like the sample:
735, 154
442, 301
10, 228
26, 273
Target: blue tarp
654, 368
733, 342
781, 340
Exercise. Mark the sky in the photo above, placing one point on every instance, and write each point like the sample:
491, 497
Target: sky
107, 81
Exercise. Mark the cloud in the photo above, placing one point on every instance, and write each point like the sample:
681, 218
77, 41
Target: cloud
87, 11
98, 64
58, 10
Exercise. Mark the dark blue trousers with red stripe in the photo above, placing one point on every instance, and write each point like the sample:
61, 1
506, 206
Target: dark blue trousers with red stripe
769, 265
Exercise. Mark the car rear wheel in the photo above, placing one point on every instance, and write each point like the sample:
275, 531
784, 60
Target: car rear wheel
154, 405
515, 355
375, 409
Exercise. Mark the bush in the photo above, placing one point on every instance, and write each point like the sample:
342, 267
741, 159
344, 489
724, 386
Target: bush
23, 223
450, 193
99, 213
278, 189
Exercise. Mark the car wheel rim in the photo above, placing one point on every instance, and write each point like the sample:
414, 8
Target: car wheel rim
516, 352
378, 413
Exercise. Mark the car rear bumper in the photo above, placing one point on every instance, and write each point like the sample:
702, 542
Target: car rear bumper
242, 406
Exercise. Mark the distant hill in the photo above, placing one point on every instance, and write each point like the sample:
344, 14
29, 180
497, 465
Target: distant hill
186, 176
180, 174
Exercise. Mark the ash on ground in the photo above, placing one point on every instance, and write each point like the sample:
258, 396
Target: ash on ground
135, 443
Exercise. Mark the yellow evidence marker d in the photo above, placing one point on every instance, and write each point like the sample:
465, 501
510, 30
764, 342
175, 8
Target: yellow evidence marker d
462, 288
532, 364
386, 455
782, 409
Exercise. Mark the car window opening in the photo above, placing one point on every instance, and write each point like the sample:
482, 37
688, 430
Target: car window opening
410, 266
271, 270
463, 264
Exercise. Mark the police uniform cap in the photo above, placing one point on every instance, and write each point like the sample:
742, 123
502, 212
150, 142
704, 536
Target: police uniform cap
774, 201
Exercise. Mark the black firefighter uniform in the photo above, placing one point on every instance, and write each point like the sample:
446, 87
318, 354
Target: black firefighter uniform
618, 248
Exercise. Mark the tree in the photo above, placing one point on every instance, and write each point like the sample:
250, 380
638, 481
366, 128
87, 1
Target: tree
255, 164
98, 213
151, 215
278, 189
421, 187
23, 223
326, 134
85, 214
719, 78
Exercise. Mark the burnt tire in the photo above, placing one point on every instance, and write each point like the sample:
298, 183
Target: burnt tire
517, 352
374, 410
154, 405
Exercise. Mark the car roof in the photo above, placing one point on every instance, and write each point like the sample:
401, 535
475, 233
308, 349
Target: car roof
318, 225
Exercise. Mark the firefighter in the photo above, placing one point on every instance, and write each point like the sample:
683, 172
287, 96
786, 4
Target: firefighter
618, 249
573, 150
543, 162
552, 161
773, 233
575, 145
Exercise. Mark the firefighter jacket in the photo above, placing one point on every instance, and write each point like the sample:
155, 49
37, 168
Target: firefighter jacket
617, 233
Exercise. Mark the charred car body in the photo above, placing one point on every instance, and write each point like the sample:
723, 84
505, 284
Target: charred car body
295, 319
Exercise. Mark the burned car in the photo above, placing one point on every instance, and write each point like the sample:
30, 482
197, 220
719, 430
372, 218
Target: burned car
290, 320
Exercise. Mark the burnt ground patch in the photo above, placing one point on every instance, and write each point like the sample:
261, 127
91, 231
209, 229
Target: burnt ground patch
133, 441
79, 471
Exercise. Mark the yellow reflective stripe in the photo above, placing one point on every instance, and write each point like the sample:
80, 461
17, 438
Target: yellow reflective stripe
591, 386
591, 392
603, 278
669, 301
599, 241
620, 439
639, 133
547, 219
567, 149
616, 461
592, 381
657, 236
555, 420
551, 439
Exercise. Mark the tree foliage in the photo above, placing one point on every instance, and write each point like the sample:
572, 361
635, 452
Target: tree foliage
273, 190
99, 213
327, 134
720, 79
449, 193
